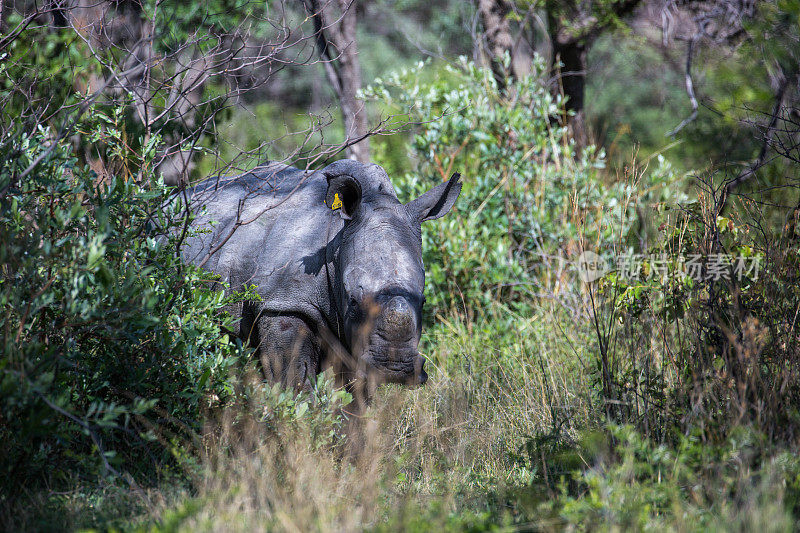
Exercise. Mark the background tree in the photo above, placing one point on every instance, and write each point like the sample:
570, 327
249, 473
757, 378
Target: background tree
335, 25
571, 28
499, 41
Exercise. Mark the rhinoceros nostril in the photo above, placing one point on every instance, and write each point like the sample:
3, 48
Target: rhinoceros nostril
397, 319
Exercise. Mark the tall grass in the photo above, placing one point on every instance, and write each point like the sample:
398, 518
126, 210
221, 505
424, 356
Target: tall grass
437, 451
508, 434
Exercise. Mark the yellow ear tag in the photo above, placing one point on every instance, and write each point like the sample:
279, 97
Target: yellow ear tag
336, 202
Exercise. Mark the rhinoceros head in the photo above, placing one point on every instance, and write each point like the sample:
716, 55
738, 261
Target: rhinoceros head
380, 275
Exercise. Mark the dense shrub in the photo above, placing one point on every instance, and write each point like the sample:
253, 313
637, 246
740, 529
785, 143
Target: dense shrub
530, 200
631, 483
703, 336
111, 347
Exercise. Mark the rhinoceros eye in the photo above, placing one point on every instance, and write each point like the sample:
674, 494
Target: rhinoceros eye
354, 309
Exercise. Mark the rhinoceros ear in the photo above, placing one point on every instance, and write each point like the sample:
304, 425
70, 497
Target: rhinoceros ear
344, 194
436, 202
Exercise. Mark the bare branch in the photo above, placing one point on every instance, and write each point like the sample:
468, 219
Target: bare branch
771, 128
689, 87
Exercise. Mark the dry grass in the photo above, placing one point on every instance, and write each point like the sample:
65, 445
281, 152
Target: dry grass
448, 442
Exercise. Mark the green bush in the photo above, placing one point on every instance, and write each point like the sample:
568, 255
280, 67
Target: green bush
636, 484
530, 198
111, 346
688, 349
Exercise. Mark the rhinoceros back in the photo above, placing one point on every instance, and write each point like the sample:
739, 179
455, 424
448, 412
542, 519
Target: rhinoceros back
266, 228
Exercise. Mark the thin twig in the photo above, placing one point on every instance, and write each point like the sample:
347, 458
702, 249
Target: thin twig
689, 87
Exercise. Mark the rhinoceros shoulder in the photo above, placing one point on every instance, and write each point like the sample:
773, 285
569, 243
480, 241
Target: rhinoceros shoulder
278, 244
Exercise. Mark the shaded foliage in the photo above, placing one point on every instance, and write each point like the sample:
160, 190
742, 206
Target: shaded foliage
111, 347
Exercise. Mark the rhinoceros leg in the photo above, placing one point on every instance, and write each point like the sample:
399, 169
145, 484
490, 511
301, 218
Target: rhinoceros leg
288, 350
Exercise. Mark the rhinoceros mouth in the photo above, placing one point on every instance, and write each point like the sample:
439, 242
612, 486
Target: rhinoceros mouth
409, 371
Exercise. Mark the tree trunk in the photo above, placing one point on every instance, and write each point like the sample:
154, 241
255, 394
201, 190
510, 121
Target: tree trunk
573, 28
353, 110
571, 75
336, 40
494, 16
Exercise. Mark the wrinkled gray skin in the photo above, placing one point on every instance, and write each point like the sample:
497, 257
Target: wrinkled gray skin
341, 288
